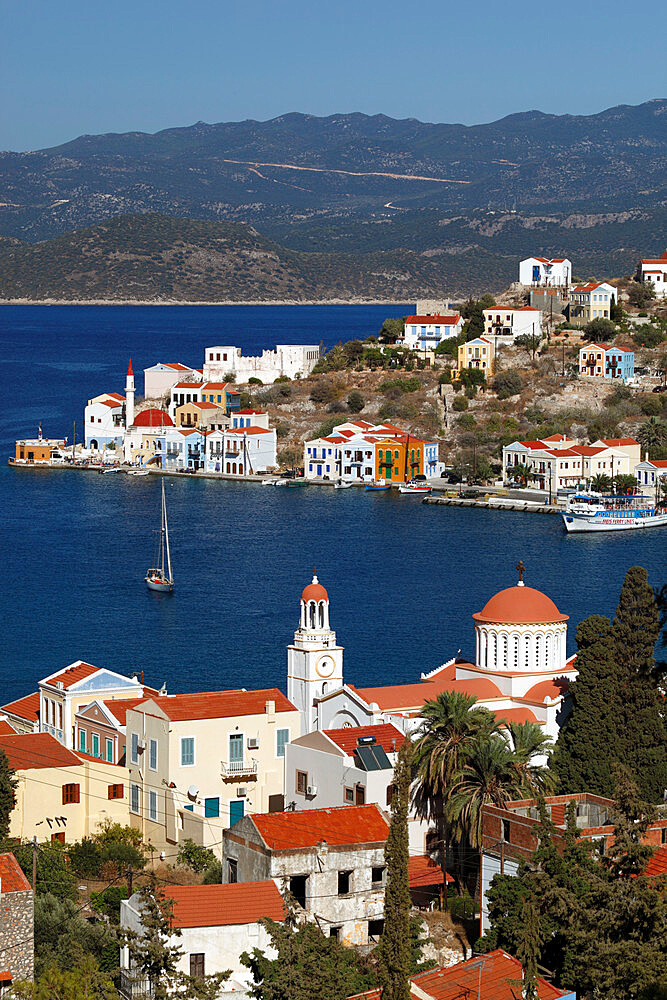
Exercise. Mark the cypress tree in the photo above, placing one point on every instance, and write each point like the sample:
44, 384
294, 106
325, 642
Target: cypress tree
394, 949
588, 744
7, 786
643, 738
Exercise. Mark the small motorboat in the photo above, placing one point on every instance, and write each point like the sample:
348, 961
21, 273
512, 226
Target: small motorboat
378, 484
280, 482
292, 483
269, 482
112, 468
342, 485
137, 472
414, 486
160, 577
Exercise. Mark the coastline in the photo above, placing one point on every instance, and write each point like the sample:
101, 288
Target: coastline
188, 302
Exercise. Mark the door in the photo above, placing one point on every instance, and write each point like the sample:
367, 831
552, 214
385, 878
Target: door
236, 748
235, 811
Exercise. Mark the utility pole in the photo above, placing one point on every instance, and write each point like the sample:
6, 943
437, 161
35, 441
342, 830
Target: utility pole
34, 863
129, 874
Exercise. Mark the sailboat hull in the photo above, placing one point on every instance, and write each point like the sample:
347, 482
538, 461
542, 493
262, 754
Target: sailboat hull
159, 584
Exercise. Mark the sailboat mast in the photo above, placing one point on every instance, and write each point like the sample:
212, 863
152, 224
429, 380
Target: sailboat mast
166, 532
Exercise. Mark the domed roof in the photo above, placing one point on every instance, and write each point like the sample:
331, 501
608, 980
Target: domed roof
314, 592
519, 605
153, 418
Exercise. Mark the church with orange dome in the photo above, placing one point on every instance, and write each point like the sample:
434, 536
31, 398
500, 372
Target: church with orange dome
521, 671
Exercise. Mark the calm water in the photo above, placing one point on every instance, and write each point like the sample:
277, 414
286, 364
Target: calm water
403, 578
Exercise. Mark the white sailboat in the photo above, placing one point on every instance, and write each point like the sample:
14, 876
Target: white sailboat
160, 577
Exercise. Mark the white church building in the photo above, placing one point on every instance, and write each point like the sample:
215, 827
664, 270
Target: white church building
521, 671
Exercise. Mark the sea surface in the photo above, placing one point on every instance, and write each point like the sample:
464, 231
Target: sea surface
403, 578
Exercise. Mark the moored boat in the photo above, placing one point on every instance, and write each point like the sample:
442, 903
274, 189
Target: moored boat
586, 512
378, 484
414, 486
342, 484
137, 472
160, 576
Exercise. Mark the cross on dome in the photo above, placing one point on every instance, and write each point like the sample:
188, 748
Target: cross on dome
522, 569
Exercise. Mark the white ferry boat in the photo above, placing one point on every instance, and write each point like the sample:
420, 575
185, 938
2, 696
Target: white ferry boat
592, 512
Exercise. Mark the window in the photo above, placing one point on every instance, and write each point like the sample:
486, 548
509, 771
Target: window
349, 795
58, 838
82, 740
334, 932
232, 870
377, 875
212, 807
236, 747
507, 829
187, 751
301, 782
197, 965
297, 887
116, 791
282, 737
390, 794
375, 928
95, 739
663, 835
134, 748
344, 883
134, 798
110, 750
359, 795
152, 755
152, 805
71, 794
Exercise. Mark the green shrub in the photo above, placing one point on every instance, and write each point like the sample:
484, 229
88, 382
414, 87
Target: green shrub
466, 422
108, 901
323, 392
650, 405
648, 336
86, 858
355, 401
255, 381
282, 429
195, 856
446, 377
402, 384
460, 403
508, 384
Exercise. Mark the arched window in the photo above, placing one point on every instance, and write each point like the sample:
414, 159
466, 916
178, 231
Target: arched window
491, 655
526, 652
321, 614
549, 649
538, 651
515, 652
505, 645
311, 607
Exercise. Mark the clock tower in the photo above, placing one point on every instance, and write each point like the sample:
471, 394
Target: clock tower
314, 660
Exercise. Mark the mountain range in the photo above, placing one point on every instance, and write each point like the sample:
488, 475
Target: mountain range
470, 199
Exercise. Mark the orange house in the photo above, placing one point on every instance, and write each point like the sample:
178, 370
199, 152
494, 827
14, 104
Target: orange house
390, 459
36, 452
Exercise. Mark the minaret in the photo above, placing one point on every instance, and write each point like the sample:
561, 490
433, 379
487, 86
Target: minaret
129, 396
314, 660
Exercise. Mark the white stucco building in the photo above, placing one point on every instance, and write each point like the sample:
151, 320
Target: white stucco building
242, 451
217, 923
654, 269
292, 360
555, 272
104, 421
425, 333
160, 377
507, 324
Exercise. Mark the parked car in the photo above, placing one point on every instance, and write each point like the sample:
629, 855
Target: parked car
516, 484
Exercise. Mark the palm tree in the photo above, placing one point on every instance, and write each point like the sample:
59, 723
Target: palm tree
528, 743
489, 777
653, 432
451, 729
601, 483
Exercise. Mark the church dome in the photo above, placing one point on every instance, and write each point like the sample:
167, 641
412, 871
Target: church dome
314, 592
519, 605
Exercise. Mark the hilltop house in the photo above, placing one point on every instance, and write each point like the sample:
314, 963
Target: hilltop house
601, 361
331, 860
160, 377
426, 333
477, 353
591, 301
505, 325
541, 271
655, 271
291, 360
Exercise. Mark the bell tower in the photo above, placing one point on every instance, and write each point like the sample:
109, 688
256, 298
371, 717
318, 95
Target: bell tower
314, 660
129, 396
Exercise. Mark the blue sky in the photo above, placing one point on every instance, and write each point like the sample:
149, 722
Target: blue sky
74, 67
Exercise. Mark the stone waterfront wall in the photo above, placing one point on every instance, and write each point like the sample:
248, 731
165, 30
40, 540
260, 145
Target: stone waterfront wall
17, 946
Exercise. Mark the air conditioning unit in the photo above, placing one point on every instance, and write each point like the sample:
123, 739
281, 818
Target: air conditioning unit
241, 792
253, 743
141, 745
311, 789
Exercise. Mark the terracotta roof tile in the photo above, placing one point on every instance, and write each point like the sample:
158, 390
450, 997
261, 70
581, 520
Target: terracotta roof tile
423, 871
547, 689
75, 672
6, 729
386, 735
29, 751
12, 878
613, 442
338, 826
26, 707
407, 696
439, 320
220, 704
658, 863
495, 981
119, 707
224, 905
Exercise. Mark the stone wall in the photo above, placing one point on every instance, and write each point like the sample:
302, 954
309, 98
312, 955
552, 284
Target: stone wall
17, 947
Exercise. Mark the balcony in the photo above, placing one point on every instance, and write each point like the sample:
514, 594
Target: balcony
236, 770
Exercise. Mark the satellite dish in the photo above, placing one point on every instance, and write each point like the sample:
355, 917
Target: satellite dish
193, 792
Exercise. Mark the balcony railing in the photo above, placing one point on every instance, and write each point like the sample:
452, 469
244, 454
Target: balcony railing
238, 768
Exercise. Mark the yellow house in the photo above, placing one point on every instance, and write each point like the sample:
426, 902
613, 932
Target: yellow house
478, 353
61, 795
193, 414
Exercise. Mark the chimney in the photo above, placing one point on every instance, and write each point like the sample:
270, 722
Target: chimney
270, 709
142, 676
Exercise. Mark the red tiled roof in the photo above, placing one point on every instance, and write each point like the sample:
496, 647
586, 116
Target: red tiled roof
114, 404
520, 606
248, 430
495, 981
26, 707
152, 417
34, 750
386, 735
614, 442
438, 320
338, 826
117, 395
12, 878
423, 871
6, 729
176, 366
587, 450
658, 863
556, 437
547, 689
119, 707
75, 672
249, 411
407, 696
655, 260
659, 463
187, 385
215, 385
220, 704
516, 715
224, 905
533, 444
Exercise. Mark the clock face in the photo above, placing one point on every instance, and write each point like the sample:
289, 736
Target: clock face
325, 666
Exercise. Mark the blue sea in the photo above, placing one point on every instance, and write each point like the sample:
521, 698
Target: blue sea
403, 578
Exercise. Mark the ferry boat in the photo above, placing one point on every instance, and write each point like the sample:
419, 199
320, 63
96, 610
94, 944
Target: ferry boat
160, 576
589, 512
414, 486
